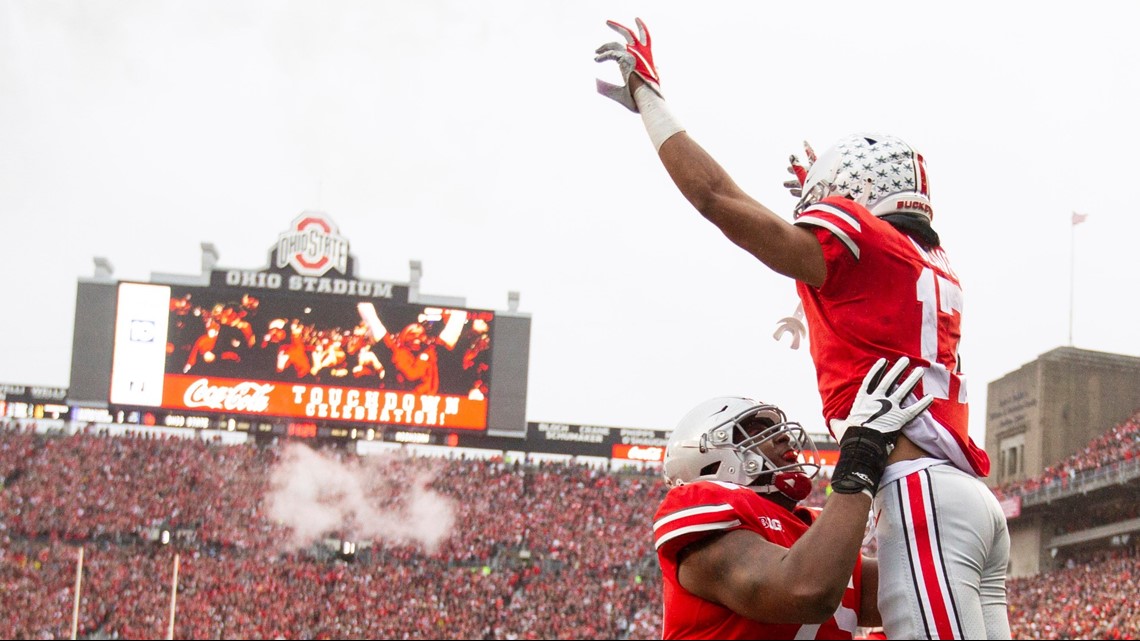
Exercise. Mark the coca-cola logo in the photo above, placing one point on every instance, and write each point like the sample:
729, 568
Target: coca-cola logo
243, 397
638, 453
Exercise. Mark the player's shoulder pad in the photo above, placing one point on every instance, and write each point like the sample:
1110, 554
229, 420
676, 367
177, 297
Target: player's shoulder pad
843, 217
695, 510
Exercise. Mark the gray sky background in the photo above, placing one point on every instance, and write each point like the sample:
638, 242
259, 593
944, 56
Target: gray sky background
468, 135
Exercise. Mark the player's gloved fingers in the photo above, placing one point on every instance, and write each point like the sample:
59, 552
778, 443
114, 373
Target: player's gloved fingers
874, 376
620, 57
917, 408
643, 33
623, 30
884, 388
797, 167
792, 323
616, 93
624, 60
794, 187
908, 385
607, 89
610, 46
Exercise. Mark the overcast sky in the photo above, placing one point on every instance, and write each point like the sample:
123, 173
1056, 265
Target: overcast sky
468, 135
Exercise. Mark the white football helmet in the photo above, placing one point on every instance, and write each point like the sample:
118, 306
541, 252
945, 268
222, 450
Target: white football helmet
721, 440
881, 172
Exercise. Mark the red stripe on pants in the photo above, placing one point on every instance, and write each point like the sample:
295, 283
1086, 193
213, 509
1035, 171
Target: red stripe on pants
922, 540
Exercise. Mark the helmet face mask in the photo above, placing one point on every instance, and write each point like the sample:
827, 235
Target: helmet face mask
725, 438
880, 172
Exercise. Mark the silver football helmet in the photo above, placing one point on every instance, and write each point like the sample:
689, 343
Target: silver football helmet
879, 171
722, 439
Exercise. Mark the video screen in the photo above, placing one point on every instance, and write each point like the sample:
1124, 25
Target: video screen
367, 360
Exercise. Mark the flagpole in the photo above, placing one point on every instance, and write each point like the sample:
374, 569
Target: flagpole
173, 598
78, 589
1072, 271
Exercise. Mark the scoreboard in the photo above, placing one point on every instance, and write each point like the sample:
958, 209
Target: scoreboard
301, 347
244, 351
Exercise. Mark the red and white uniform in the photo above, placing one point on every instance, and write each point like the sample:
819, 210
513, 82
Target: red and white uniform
697, 510
886, 297
943, 540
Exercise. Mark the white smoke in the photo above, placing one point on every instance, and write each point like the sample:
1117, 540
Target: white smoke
313, 494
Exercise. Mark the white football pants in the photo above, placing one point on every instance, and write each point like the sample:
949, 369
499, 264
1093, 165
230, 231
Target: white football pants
943, 555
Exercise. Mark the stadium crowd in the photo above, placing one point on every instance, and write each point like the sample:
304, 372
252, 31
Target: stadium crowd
537, 551
548, 551
1121, 443
1090, 598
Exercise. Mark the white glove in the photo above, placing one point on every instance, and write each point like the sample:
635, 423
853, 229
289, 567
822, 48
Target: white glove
793, 325
877, 408
636, 56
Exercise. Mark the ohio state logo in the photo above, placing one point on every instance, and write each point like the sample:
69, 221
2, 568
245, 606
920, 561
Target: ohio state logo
313, 246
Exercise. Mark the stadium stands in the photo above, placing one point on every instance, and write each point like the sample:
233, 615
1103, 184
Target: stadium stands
1093, 597
1121, 444
546, 551
560, 551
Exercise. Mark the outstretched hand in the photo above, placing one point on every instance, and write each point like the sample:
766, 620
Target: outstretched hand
634, 57
793, 325
799, 170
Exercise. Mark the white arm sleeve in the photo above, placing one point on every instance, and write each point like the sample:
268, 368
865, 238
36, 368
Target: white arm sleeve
655, 115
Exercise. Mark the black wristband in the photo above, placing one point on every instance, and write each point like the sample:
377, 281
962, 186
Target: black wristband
862, 459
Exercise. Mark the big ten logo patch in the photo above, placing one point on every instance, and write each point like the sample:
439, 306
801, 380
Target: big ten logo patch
772, 524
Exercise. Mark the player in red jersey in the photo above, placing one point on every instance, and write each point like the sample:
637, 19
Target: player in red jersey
874, 282
739, 559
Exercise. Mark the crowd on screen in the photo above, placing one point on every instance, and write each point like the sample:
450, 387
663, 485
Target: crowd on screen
1121, 443
547, 551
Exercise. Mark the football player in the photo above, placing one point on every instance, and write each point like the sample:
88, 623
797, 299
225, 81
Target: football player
873, 281
740, 560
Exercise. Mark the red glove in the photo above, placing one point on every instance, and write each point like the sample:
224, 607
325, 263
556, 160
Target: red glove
636, 56
800, 170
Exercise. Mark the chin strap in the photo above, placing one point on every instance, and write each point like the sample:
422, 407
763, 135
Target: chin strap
794, 485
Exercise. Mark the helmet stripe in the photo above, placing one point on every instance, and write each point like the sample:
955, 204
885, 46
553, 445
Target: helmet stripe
920, 167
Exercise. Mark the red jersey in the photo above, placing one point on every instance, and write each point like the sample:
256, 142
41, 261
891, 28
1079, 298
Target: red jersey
694, 511
885, 296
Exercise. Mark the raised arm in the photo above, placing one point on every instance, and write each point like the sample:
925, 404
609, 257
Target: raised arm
783, 247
